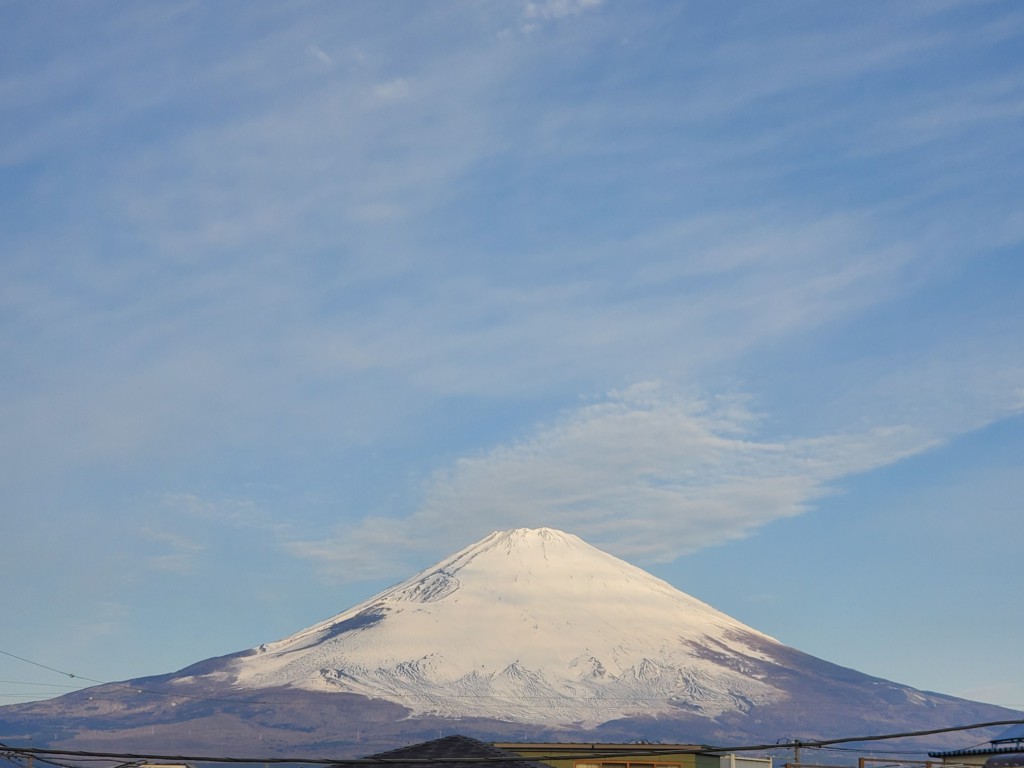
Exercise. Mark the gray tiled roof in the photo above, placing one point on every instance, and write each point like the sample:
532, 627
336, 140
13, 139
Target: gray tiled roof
462, 751
1010, 741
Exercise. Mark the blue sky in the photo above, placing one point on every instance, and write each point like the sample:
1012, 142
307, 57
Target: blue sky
297, 298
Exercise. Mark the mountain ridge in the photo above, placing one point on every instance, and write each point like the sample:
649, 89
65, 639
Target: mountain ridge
426, 642
529, 633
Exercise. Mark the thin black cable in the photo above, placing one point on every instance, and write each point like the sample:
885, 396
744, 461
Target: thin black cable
695, 749
131, 687
875, 751
851, 739
21, 761
54, 763
52, 669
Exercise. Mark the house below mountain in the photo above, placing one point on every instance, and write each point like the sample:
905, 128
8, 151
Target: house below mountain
1004, 751
568, 755
471, 753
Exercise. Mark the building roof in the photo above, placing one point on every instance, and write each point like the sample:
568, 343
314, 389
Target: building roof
461, 750
1013, 733
1009, 750
1011, 741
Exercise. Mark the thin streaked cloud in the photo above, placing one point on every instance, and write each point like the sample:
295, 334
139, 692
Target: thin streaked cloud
691, 472
348, 285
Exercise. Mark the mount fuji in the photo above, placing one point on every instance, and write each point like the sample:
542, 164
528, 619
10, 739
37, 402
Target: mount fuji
528, 633
528, 626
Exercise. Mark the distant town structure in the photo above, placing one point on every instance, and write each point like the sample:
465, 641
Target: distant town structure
466, 751
569, 755
1004, 751
744, 761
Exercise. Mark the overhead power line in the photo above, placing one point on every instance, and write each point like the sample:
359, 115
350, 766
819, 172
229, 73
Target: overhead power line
135, 688
52, 669
883, 737
810, 743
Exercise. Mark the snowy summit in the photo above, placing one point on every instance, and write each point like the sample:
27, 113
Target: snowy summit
525, 632
524, 625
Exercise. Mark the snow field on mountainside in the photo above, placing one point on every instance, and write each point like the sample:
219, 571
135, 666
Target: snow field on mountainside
524, 622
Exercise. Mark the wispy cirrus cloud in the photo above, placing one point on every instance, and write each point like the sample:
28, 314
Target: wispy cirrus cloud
239, 512
179, 555
107, 618
393, 90
558, 9
318, 53
645, 472
296, 263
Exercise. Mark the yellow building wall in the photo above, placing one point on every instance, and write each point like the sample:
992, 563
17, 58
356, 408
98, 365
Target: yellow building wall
612, 755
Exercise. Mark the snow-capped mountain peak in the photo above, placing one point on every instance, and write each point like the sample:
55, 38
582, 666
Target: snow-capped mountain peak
525, 632
523, 624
